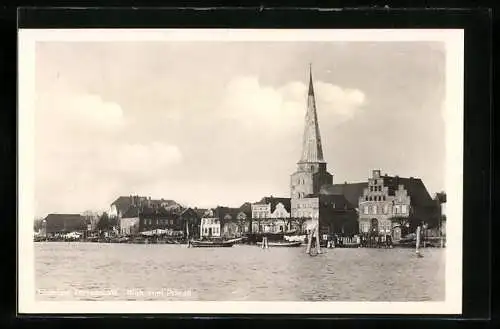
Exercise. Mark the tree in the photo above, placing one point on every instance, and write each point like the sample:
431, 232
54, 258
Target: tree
104, 222
37, 224
441, 197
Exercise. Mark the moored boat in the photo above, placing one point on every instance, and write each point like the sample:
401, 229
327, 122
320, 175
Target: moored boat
211, 244
282, 243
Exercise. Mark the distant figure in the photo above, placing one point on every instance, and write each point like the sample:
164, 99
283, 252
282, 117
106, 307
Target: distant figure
388, 241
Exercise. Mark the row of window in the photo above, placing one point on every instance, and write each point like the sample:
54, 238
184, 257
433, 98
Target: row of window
304, 205
375, 198
304, 214
375, 188
149, 221
214, 231
268, 228
208, 221
261, 214
396, 209
382, 227
301, 195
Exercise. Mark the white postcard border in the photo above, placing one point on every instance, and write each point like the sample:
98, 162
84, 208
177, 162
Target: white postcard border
454, 40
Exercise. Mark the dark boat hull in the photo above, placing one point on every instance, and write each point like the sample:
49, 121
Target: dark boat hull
282, 244
198, 244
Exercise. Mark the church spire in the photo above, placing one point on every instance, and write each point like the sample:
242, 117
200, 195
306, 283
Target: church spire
312, 151
311, 89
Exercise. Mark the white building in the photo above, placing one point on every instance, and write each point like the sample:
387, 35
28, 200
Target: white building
210, 225
271, 215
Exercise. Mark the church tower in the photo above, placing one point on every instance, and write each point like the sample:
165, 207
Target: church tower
311, 171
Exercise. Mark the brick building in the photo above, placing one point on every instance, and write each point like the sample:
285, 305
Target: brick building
389, 204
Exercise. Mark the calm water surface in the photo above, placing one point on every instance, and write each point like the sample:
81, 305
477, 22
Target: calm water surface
93, 271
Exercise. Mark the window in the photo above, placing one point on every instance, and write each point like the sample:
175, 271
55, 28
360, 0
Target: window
366, 198
396, 209
383, 197
366, 210
403, 209
374, 210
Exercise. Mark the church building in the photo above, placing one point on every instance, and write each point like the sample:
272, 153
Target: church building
308, 206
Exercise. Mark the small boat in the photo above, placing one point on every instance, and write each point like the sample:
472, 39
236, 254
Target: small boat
282, 243
236, 240
211, 244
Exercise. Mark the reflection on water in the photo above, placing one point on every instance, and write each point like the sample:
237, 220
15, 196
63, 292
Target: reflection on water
92, 271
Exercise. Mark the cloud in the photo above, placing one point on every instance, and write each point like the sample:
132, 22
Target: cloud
253, 103
86, 152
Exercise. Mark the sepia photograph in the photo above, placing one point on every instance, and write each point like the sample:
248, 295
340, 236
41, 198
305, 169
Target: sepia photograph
240, 171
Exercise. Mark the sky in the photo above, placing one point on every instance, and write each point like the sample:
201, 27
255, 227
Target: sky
207, 123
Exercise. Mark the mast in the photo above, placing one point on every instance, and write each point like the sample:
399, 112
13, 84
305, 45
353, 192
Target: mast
417, 246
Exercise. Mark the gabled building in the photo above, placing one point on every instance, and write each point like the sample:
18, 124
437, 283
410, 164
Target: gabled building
210, 225
389, 204
271, 215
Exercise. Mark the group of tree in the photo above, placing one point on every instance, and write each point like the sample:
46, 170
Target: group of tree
106, 223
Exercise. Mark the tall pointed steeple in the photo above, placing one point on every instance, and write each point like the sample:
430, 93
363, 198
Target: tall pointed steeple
312, 150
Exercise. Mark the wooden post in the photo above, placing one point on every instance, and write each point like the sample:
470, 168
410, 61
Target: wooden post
309, 241
417, 247
318, 239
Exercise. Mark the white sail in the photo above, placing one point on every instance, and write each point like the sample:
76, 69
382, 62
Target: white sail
418, 240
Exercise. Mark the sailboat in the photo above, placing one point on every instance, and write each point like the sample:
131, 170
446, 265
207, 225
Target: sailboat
187, 235
309, 248
417, 245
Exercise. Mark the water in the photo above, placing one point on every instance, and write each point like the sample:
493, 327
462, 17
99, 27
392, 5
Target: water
93, 271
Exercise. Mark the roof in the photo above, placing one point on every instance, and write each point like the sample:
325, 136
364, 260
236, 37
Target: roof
221, 212
123, 203
274, 201
158, 212
340, 201
351, 191
64, 222
131, 212
414, 186
200, 212
312, 151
